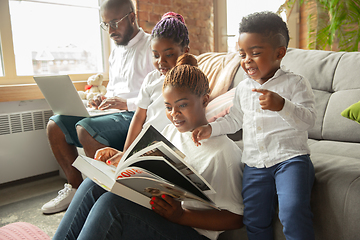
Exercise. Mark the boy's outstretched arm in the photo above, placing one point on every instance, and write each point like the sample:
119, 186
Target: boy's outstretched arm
200, 133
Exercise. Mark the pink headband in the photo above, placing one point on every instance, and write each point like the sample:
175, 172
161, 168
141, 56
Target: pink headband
173, 15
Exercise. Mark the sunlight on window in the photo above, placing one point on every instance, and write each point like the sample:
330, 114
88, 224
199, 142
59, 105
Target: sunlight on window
236, 10
1, 63
56, 39
81, 3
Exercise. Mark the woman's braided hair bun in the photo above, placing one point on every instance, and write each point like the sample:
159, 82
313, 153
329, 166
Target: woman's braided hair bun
187, 59
186, 74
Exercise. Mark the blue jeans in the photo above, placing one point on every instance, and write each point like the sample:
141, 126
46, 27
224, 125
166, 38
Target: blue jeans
289, 184
97, 214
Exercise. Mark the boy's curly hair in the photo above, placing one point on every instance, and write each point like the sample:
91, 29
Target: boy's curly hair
186, 74
268, 24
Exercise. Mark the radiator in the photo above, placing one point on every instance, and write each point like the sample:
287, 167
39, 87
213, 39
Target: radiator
24, 148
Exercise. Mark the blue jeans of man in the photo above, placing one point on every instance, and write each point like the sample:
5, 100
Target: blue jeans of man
288, 184
97, 214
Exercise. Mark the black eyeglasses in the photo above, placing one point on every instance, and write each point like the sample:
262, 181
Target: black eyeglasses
114, 25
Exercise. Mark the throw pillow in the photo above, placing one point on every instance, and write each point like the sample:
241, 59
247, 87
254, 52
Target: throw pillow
352, 112
220, 105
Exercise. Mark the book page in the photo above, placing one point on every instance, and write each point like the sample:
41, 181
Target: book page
134, 172
103, 167
159, 166
149, 185
161, 149
147, 137
103, 175
97, 171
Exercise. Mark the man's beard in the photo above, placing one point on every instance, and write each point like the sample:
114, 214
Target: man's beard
126, 37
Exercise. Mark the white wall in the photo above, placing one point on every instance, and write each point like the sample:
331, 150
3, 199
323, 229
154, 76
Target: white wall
24, 154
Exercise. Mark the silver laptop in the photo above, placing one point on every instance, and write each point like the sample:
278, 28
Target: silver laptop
61, 95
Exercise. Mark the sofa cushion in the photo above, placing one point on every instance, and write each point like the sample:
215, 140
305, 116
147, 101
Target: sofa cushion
220, 105
335, 196
321, 101
220, 68
316, 65
347, 74
336, 127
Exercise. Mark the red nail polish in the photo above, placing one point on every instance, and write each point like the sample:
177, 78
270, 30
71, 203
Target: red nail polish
163, 196
108, 162
153, 198
152, 208
151, 202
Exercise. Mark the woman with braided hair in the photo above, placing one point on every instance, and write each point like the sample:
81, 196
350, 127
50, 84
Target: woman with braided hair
98, 214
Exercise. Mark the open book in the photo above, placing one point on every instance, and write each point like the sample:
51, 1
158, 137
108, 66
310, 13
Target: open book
151, 166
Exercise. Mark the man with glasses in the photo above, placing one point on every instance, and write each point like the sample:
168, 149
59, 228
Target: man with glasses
129, 63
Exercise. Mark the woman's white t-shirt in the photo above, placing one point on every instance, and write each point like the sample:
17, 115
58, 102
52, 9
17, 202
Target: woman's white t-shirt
218, 160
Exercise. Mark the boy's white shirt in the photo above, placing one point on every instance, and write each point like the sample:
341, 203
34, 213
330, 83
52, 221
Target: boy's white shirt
128, 66
150, 98
218, 160
271, 137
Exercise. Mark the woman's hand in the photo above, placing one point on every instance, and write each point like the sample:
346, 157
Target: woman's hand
114, 102
109, 155
167, 207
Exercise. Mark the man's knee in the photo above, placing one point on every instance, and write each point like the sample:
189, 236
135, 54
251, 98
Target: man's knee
81, 132
53, 130
83, 135
51, 126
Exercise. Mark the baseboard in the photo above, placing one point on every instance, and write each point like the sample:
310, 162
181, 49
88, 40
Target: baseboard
29, 179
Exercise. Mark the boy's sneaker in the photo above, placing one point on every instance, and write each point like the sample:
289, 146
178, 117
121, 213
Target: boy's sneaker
61, 202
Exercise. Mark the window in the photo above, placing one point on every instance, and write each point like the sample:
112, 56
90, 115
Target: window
236, 10
1, 63
51, 37
55, 39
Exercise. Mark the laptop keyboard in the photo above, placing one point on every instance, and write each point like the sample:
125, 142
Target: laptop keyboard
93, 110
98, 111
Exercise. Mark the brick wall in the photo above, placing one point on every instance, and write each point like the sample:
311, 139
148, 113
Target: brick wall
198, 15
308, 10
303, 28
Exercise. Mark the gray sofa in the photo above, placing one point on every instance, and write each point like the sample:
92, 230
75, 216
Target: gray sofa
334, 143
